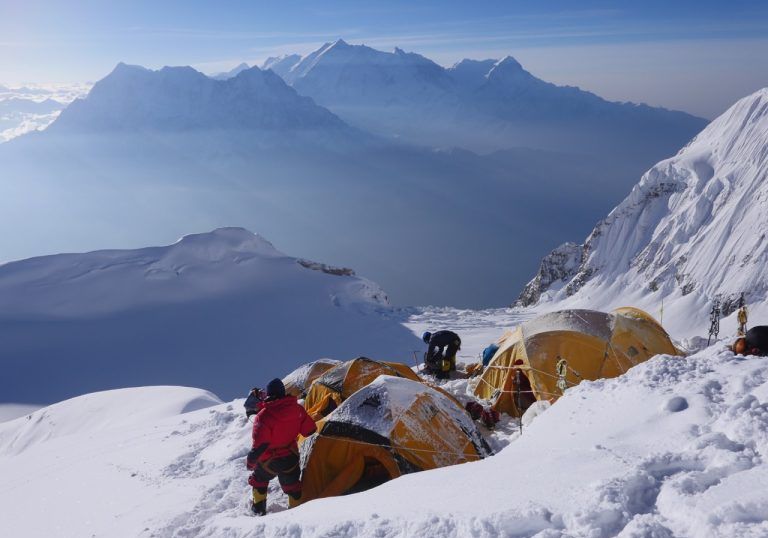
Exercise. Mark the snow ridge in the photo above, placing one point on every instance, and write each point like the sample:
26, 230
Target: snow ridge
695, 224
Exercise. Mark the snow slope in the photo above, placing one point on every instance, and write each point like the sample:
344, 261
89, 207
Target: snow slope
222, 310
694, 228
13, 411
675, 447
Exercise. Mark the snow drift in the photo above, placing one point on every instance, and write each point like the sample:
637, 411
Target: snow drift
693, 229
222, 310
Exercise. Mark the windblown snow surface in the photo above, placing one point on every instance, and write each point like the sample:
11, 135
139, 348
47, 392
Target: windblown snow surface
675, 447
222, 310
694, 228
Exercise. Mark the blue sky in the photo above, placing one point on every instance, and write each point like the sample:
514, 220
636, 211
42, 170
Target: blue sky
696, 56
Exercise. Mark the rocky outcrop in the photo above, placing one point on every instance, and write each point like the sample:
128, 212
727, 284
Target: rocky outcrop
558, 267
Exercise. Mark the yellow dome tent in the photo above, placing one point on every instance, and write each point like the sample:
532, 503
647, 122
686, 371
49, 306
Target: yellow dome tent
297, 383
337, 384
542, 357
391, 427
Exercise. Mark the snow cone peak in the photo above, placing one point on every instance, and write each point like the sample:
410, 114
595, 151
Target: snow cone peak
508, 62
221, 241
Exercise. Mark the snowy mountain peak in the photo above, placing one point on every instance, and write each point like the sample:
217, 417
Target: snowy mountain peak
340, 43
694, 228
216, 244
133, 98
281, 64
191, 313
123, 67
340, 72
508, 62
471, 74
232, 72
508, 70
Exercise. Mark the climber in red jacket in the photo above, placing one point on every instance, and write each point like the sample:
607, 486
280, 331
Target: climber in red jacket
278, 423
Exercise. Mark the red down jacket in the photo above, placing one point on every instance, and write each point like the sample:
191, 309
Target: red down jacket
276, 428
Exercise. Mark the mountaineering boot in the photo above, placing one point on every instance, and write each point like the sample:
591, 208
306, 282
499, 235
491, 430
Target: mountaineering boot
294, 501
259, 503
259, 508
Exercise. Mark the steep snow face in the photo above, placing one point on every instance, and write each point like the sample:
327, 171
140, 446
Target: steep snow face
675, 447
180, 98
693, 229
471, 74
281, 64
203, 312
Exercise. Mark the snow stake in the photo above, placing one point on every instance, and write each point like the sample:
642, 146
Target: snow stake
416, 361
519, 398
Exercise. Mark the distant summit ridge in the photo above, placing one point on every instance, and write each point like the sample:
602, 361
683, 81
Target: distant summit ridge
481, 105
181, 98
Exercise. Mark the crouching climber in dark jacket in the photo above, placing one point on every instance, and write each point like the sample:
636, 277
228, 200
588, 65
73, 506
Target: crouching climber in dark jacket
278, 423
440, 358
755, 342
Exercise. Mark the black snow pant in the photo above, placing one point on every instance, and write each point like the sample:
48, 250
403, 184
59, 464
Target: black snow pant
436, 364
287, 470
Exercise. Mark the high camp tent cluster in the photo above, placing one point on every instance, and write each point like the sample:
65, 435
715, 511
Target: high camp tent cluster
379, 420
541, 358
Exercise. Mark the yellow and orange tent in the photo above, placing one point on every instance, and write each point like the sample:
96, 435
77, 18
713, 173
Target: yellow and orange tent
329, 390
392, 426
542, 357
297, 383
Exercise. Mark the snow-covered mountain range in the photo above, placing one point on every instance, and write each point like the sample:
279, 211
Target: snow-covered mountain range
693, 229
248, 150
220, 310
180, 98
480, 105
